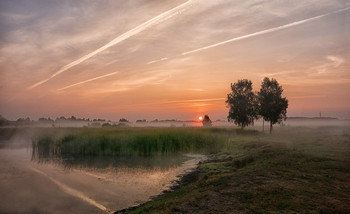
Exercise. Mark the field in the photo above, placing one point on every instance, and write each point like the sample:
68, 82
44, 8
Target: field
293, 170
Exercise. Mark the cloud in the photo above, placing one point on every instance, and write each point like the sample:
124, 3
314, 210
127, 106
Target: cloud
129, 82
270, 30
89, 80
154, 21
14, 18
307, 96
331, 63
195, 89
336, 61
154, 61
191, 101
259, 33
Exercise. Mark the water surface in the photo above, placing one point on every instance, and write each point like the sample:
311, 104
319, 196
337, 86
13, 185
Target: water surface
96, 185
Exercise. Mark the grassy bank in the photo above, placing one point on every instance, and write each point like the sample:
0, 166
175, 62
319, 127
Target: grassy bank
294, 170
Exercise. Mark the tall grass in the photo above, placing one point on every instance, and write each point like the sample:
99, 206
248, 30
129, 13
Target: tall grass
127, 142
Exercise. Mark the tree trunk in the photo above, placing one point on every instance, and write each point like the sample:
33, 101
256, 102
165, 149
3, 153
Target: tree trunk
263, 126
270, 127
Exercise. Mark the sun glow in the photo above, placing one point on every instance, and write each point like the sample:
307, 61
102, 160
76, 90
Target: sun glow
200, 118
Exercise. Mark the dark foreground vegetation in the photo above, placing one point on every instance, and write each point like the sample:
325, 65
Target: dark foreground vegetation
294, 170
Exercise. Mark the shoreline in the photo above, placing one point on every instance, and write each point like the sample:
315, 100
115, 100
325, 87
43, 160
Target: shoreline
185, 179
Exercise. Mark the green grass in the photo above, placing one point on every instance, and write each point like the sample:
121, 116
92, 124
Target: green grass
126, 142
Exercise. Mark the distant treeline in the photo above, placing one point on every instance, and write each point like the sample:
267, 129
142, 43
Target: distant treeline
28, 121
92, 122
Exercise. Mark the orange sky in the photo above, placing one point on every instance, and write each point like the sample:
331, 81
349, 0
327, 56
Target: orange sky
170, 59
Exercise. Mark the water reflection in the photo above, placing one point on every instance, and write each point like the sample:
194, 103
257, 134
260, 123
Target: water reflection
45, 181
104, 162
112, 183
84, 185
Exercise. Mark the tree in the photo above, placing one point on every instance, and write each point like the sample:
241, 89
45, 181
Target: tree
206, 121
123, 120
242, 103
272, 106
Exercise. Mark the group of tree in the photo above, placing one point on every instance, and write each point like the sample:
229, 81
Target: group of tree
123, 120
72, 118
246, 106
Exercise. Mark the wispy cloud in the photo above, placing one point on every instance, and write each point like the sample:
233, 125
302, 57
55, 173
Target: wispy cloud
189, 101
154, 61
14, 17
307, 96
192, 102
336, 61
86, 81
331, 63
264, 31
129, 82
154, 21
270, 30
195, 89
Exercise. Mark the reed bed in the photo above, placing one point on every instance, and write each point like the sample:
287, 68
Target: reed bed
129, 142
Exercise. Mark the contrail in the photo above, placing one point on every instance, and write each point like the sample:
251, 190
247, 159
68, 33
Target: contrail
266, 31
254, 34
89, 80
156, 20
71, 191
185, 101
154, 61
220, 43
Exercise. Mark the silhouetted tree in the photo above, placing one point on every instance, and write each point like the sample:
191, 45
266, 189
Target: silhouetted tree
242, 103
141, 121
123, 120
60, 118
272, 106
206, 121
45, 120
4, 121
106, 125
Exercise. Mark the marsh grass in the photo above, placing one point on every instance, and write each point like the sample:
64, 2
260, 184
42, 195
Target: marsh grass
129, 142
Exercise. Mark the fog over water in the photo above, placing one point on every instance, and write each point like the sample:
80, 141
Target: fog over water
39, 186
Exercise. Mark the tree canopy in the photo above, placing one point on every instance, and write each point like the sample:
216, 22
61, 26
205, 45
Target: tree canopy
272, 106
242, 103
246, 106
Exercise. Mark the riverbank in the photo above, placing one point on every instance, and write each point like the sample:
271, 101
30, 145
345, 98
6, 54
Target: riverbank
294, 170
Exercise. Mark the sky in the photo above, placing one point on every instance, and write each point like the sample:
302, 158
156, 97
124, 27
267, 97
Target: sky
170, 59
